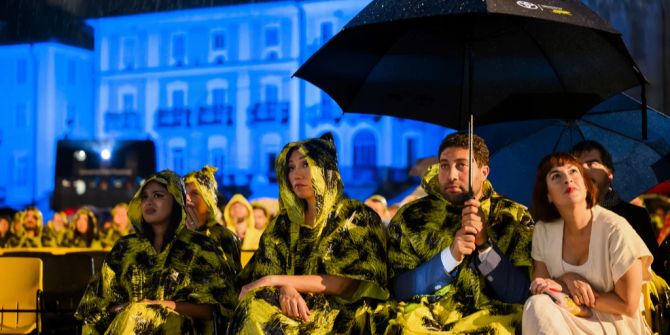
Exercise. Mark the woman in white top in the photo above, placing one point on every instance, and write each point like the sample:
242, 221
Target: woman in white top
585, 251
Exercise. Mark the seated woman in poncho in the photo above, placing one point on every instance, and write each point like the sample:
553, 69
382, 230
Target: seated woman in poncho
163, 278
321, 265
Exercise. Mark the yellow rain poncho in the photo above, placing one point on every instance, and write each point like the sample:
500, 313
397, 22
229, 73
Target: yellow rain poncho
189, 268
23, 240
75, 239
346, 240
223, 238
422, 229
252, 235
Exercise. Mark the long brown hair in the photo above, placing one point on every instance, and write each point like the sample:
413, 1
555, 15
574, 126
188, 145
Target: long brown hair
542, 209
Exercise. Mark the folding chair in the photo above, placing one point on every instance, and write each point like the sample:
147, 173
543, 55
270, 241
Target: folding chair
20, 295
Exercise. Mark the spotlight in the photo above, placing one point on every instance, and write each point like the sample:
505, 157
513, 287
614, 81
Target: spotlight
105, 154
80, 155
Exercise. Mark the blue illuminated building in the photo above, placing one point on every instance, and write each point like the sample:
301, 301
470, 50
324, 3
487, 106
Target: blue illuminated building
209, 86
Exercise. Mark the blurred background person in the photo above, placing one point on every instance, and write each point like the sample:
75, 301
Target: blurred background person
30, 235
84, 232
120, 225
6, 235
379, 205
56, 231
239, 217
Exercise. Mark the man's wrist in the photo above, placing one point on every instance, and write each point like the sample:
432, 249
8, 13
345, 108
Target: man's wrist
486, 245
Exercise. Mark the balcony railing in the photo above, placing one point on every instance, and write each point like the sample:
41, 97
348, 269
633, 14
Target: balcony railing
269, 112
319, 113
122, 121
215, 115
173, 118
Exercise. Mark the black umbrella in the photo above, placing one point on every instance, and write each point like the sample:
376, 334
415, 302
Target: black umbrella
499, 60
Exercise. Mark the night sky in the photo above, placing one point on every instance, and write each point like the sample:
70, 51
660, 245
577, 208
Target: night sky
24, 21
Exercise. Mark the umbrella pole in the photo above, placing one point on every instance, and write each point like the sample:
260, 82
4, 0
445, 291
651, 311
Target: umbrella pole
470, 134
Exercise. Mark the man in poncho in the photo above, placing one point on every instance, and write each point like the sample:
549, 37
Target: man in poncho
460, 263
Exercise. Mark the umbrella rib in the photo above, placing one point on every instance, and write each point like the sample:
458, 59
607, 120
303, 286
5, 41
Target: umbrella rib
546, 56
610, 130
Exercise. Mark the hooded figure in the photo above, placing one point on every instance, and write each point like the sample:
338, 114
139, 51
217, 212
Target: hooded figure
120, 225
323, 253
201, 189
7, 238
30, 234
239, 217
84, 230
163, 278
56, 231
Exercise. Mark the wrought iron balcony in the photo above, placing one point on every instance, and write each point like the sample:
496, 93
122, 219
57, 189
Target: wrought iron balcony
269, 112
173, 118
215, 115
121, 121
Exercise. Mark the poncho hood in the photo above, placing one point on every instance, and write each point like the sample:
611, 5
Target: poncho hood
175, 187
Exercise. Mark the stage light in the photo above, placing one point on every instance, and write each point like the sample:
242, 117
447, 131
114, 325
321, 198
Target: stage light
80, 155
105, 154
79, 186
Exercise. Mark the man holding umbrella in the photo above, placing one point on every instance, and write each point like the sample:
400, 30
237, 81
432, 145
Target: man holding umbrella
460, 261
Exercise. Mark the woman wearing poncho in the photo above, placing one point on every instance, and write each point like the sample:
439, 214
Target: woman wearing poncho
161, 279
201, 189
84, 232
321, 265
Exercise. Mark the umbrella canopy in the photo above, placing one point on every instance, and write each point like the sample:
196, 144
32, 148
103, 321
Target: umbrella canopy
517, 147
439, 61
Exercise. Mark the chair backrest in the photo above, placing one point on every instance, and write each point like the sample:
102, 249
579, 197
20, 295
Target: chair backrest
21, 280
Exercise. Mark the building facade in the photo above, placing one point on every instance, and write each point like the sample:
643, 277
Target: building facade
213, 86
208, 86
47, 94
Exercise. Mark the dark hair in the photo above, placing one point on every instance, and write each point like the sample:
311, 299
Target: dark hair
542, 209
261, 207
460, 140
175, 220
588, 145
90, 230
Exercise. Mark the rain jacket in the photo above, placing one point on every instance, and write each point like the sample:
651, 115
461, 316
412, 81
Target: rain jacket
53, 238
224, 239
252, 235
75, 239
188, 269
422, 229
22, 238
346, 240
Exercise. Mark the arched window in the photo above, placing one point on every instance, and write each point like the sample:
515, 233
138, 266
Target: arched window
177, 155
365, 150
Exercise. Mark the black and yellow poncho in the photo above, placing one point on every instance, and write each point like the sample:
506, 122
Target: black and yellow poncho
188, 269
223, 238
422, 229
346, 240
75, 239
